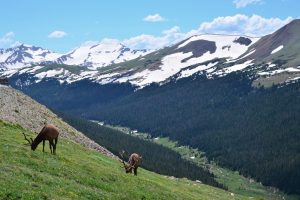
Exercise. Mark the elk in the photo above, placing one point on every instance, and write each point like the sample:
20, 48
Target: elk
50, 133
133, 163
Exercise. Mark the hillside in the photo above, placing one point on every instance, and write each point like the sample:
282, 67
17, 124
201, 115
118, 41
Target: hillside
155, 155
254, 131
238, 103
15, 107
79, 173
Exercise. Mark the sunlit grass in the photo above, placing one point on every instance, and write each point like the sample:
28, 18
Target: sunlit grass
78, 173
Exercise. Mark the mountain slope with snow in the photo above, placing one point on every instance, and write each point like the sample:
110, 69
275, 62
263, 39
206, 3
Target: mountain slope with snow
100, 55
109, 62
26, 58
271, 59
24, 55
199, 50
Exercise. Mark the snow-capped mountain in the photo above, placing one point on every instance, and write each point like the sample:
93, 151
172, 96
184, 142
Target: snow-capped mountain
115, 63
24, 55
100, 55
197, 53
271, 59
24, 58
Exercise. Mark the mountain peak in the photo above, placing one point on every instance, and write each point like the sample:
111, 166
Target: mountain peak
295, 22
97, 55
25, 45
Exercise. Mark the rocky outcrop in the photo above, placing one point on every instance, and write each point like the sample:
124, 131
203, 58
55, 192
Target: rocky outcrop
17, 108
3, 81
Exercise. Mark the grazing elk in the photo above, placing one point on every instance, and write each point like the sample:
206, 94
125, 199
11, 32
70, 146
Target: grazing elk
50, 133
133, 163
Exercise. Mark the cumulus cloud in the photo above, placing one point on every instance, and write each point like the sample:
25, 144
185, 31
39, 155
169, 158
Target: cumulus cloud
57, 34
110, 41
244, 3
105, 41
154, 18
7, 39
239, 24
254, 25
15, 43
145, 41
89, 43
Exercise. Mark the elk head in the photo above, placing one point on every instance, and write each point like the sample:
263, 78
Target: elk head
30, 141
127, 167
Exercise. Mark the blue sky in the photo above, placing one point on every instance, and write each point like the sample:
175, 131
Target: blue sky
61, 25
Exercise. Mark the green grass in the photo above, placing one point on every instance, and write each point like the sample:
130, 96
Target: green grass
235, 182
78, 173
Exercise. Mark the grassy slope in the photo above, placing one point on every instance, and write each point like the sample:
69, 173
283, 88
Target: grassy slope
78, 173
235, 182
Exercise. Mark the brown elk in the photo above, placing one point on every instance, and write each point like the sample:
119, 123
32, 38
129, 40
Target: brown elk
133, 163
50, 133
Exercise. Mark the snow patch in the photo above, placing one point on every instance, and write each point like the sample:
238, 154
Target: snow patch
278, 71
233, 52
189, 72
49, 73
277, 49
248, 54
238, 67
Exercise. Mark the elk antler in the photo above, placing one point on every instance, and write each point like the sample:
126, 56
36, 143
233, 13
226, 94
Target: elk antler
122, 158
122, 154
30, 142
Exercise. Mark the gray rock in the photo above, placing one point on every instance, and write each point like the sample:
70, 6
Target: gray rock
17, 108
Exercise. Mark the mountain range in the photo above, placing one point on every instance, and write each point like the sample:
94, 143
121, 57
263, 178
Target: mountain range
272, 59
236, 98
30, 59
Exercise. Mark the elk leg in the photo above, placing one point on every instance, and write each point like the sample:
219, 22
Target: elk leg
43, 145
135, 171
50, 145
54, 146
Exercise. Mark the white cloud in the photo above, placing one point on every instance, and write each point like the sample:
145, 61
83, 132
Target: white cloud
7, 39
16, 43
254, 25
244, 3
154, 18
239, 24
173, 30
57, 34
145, 41
110, 41
89, 43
